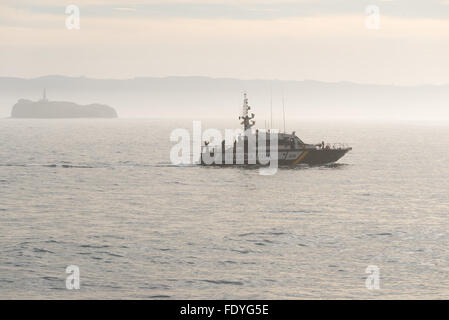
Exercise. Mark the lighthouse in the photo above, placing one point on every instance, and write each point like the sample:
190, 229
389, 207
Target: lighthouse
44, 96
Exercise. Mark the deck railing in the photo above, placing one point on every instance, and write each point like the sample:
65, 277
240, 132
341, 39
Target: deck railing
336, 145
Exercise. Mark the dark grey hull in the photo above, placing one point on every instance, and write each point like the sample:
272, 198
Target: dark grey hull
312, 157
324, 156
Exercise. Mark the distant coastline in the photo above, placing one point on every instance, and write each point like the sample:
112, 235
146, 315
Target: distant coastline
202, 97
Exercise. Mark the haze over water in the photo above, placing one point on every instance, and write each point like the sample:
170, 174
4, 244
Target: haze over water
103, 195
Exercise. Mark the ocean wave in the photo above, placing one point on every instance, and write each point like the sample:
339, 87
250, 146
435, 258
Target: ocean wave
66, 165
226, 282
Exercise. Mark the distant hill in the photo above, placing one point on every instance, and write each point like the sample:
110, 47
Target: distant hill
202, 97
45, 109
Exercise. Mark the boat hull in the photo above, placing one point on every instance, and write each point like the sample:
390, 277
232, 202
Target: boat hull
323, 156
311, 157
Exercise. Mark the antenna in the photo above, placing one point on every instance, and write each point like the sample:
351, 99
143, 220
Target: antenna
283, 107
271, 104
247, 120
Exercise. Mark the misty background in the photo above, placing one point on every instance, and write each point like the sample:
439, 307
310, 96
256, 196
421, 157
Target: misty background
195, 58
202, 97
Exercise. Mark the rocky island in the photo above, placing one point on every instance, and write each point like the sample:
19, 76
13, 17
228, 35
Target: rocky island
45, 109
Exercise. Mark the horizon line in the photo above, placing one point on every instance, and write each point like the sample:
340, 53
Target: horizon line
227, 78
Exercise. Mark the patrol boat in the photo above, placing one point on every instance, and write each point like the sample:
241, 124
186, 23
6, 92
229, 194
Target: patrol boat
247, 148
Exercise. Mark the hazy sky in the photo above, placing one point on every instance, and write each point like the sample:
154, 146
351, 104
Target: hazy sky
288, 39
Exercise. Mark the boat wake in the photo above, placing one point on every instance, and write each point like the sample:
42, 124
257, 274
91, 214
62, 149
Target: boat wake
66, 165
